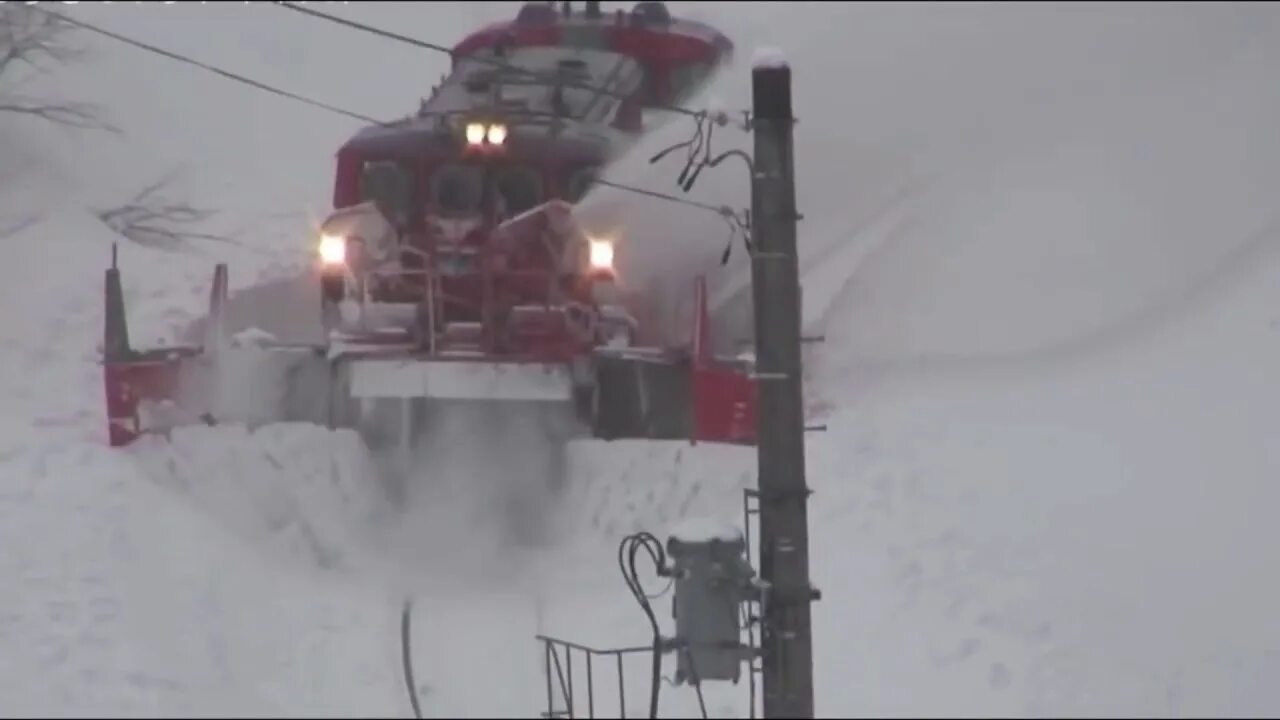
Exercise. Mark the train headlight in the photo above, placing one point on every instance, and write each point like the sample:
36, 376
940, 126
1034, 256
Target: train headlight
481, 134
333, 249
601, 254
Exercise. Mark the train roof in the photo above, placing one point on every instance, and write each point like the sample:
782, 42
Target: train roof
647, 32
547, 87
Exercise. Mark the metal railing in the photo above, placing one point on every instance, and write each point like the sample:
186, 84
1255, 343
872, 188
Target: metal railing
486, 306
559, 658
559, 655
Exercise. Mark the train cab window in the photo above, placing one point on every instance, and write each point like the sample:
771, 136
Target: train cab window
518, 189
390, 185
456, 190
580, 183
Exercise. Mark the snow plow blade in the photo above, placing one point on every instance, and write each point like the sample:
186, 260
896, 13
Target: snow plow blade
385, 388
457, 380
394, 401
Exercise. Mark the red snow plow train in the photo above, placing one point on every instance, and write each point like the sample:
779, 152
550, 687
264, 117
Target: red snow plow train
453, 268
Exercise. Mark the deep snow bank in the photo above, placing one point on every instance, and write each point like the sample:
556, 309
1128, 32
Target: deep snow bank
120, 601
1090, 230
627, 486
301, 491
1085, 538
1087, 534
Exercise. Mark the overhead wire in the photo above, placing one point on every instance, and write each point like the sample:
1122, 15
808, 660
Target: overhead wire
722, 210
739, 221
211, 68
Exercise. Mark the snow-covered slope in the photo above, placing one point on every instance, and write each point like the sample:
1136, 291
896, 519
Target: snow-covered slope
1037, 239
184, 581
1043, 485
120, 600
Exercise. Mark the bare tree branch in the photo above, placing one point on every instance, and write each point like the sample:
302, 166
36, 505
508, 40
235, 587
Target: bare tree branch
12, 228
149, 219
31, 37
37, 41
82, 116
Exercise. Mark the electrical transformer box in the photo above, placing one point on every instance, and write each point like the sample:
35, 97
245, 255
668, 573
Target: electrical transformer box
712, 578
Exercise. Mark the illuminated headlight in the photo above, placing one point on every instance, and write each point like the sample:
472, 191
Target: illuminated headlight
497, 134
475, 133
601, 256
333, 249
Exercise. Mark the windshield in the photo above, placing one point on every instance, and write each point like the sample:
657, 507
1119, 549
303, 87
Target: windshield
579, 184
456, 190
519, 189
389, 185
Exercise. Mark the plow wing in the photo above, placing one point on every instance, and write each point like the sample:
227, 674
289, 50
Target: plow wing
673, 394
245, 378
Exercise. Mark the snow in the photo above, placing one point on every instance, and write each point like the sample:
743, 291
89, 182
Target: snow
447, 380
124, 601
1048, 292
769, 58
704, 530
253, 337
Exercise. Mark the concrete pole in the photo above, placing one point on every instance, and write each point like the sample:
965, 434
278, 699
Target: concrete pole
784, 536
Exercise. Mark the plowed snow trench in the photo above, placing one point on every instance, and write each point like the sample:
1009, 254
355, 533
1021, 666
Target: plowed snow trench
312, 501
299, 492
315, 501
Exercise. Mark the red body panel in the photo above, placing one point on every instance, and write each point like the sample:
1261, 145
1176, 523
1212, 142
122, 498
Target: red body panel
724, 394
651, 43
724, 405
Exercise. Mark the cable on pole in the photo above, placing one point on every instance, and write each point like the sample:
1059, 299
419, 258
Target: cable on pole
406, 656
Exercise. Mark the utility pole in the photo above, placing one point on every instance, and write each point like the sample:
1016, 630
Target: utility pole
786, 641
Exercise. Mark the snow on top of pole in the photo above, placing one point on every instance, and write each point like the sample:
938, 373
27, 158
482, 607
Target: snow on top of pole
252, 336
705, 529
768, 57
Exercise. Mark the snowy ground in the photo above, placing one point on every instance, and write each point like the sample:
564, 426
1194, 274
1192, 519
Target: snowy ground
1048, 288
